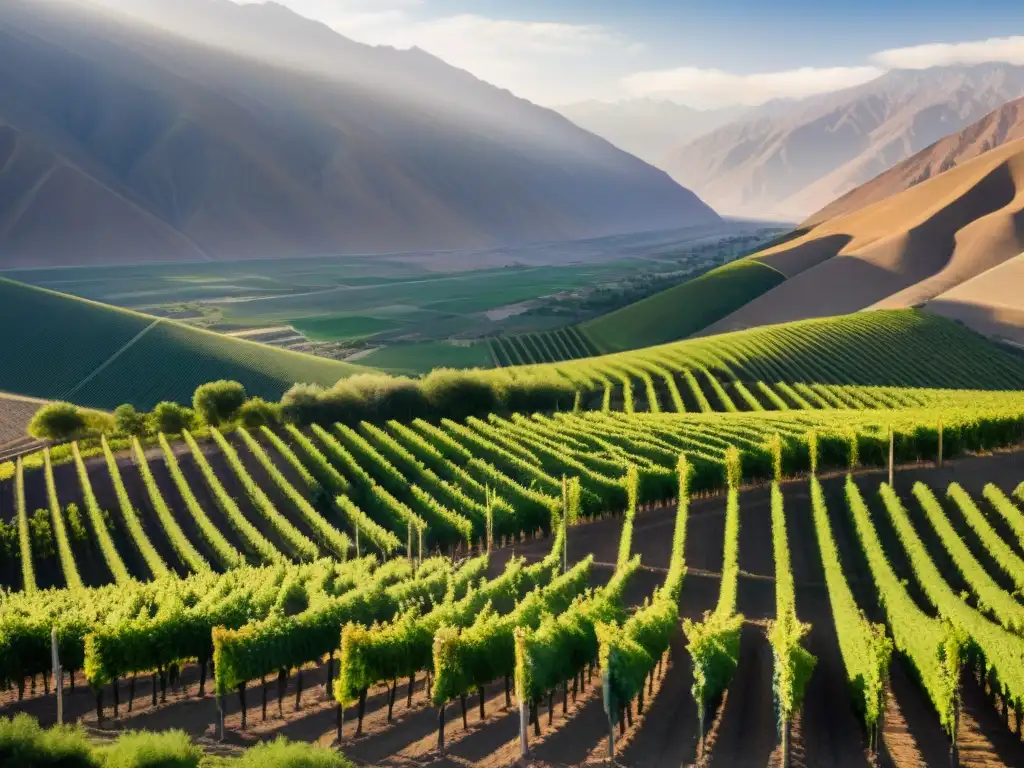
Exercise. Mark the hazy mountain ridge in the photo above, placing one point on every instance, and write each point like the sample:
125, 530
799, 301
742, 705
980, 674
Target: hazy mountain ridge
1000, 126
647, 128
177, 150
788, 160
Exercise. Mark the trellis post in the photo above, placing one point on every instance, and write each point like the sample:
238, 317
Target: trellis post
58, 677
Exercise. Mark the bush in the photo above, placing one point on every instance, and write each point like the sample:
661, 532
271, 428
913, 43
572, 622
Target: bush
257, 413
25, 744
218, 401
169, 749
387, 397
76, 523
306, 404
171, 418
458, 394
41, 532
129, 421
57, 421
285, 754
535, 393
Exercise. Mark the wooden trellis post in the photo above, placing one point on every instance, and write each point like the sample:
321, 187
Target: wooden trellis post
58, 677
892, 454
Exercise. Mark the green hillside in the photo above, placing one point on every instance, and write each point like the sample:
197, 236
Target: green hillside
60, 347
684, 309
889, 348
541, 347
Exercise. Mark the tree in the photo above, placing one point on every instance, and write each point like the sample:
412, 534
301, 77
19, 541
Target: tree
171, 418
218, 401
129, 421
57, 421
257, 412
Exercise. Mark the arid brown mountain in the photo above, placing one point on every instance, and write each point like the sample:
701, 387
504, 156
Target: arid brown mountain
995, 129
950, 244
787, 160
647, 128
133, 143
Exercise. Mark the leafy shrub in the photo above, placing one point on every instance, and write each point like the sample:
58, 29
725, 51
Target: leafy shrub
257, 412
128, 421
41, 532
533, 393
218, 401
57, 421
285, 754
458, 394
309, 404
25, 744
171, 418
9, 546
387, 397
169, 749
76, 522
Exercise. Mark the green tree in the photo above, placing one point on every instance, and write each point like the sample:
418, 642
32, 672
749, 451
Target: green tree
57, 421
257, 413
171, 418
129, 421
218, 401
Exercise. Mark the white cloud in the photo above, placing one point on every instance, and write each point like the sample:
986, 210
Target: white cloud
1009, 50
714, 86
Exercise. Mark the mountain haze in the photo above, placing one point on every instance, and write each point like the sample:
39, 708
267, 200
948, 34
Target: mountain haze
789, 159
133, 143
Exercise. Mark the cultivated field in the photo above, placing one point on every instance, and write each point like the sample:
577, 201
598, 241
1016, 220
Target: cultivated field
741, 730
244, 583
547, 347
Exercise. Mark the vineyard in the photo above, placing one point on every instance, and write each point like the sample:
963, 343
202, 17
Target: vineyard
294, 578
555, 346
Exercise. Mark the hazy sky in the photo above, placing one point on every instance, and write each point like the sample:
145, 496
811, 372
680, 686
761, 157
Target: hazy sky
700, 52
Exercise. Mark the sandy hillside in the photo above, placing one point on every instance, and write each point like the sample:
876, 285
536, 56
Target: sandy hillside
992, 303
903, 251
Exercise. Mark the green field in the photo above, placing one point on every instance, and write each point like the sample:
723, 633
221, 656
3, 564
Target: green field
681, 311
423, 357
343, 327
61, 347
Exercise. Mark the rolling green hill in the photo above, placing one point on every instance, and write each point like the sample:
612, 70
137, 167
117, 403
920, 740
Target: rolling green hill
684, 309
890, 348
60, 347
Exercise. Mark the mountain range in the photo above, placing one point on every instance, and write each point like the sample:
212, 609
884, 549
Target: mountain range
942, 231
787, 159
203, 129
